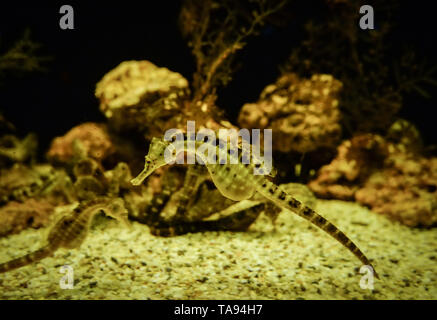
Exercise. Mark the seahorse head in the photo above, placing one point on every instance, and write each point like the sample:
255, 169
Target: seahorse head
154, 159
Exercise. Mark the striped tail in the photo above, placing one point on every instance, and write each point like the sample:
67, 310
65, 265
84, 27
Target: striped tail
283, 199
27, 259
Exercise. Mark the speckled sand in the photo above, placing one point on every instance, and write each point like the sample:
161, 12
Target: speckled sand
295, 261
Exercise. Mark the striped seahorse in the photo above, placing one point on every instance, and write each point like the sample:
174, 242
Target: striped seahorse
71, 230
239, 180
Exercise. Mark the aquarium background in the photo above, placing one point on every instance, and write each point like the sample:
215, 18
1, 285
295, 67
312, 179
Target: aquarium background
369, 165
106, 34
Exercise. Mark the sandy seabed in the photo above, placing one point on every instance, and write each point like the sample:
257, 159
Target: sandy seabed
292, 260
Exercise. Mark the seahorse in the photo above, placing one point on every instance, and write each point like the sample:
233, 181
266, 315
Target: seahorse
71, 230
237, 181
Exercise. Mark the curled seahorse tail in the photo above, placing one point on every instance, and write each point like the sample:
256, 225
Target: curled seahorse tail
27, 259
283, 199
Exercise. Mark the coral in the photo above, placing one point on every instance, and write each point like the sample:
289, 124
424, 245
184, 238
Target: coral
355, 160
17, 216
405, 136
405, 190
141, 97
92, 139
386, 174
92, 181
138, 94
21, 182
303, 113
15, 150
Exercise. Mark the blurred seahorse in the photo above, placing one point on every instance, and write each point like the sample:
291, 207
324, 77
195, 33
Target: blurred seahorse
236, 180
71, 230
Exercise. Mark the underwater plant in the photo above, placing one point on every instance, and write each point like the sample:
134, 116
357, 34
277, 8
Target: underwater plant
215, 31
376, 76
21, 57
